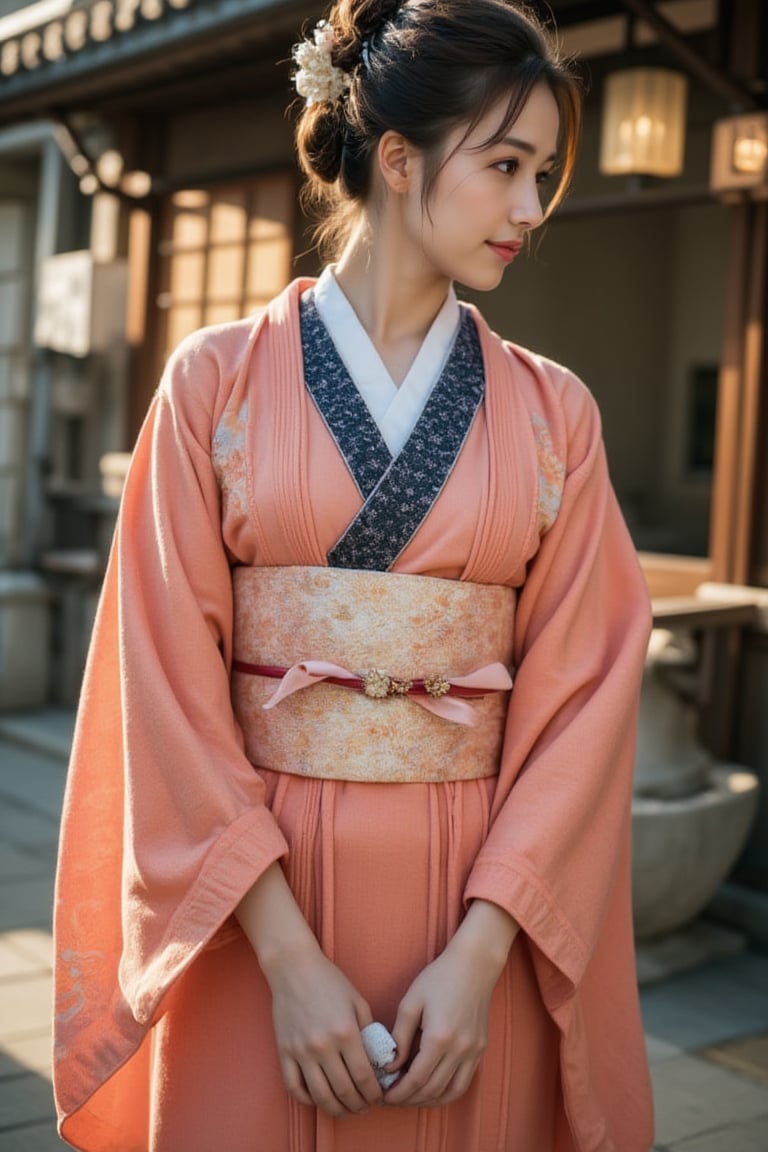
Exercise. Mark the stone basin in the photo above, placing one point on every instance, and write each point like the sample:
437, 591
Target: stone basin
684, 847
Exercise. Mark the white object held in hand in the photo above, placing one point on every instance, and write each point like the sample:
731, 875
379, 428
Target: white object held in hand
380, 1048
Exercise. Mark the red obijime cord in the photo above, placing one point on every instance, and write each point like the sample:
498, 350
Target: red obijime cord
430, 692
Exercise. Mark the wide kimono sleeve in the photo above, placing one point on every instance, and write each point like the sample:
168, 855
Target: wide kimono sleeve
558, 853
557, 847
164, 826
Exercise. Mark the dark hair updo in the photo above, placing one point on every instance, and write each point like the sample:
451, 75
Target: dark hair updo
423, 68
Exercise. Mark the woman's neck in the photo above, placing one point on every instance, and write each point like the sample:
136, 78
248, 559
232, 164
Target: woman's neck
394, 296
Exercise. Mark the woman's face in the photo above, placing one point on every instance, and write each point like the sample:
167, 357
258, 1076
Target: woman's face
485, 200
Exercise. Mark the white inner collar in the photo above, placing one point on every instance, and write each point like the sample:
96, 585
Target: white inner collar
394, 410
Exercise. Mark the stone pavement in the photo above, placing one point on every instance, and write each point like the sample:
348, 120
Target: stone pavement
33, 754
707, 1030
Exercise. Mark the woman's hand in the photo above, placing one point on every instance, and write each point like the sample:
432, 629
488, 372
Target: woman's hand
449, 1003
317, 1013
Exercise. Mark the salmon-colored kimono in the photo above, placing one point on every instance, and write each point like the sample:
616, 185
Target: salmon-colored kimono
163, 1035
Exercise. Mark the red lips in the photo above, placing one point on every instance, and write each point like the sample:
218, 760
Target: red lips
506, 251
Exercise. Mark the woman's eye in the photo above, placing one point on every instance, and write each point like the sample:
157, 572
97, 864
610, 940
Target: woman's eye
544, 177
508, 167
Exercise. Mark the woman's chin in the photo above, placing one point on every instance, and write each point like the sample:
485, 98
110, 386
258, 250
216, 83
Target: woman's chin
482, 282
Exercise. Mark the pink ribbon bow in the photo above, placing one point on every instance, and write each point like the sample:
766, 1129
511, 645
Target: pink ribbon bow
491, 678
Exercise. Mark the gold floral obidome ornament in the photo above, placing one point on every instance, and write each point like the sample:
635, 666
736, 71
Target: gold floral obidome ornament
378, 685
437, 686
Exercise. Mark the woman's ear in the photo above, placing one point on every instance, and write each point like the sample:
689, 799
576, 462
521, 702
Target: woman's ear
397, 161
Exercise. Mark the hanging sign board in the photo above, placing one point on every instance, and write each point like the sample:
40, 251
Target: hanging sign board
81, 304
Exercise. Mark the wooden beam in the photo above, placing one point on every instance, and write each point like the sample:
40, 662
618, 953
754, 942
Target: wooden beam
634, 199
671, 575
688, 612
713, 77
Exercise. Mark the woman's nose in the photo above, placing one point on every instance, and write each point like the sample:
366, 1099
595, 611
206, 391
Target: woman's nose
526, 210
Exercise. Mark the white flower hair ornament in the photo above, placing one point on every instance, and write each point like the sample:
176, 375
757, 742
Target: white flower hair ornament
318, 78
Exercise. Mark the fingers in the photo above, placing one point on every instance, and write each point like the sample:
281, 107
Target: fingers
330, 1092
333, 1090
362, 1011
315, 1011
404, 1032
358, 1067
340, 1081
460, 1082
335, 1076
439, 1089
436, 1076
294, 1081
422, 1084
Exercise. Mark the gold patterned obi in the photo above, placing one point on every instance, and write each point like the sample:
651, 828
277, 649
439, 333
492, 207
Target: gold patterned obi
370, 676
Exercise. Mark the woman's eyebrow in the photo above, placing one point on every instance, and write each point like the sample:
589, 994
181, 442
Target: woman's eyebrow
524, 146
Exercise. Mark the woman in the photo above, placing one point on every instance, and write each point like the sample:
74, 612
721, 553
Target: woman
303, 796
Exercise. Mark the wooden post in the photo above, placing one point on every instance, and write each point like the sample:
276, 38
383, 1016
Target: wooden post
722, 530
741, 426
754, 387
739, 526
140, 317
